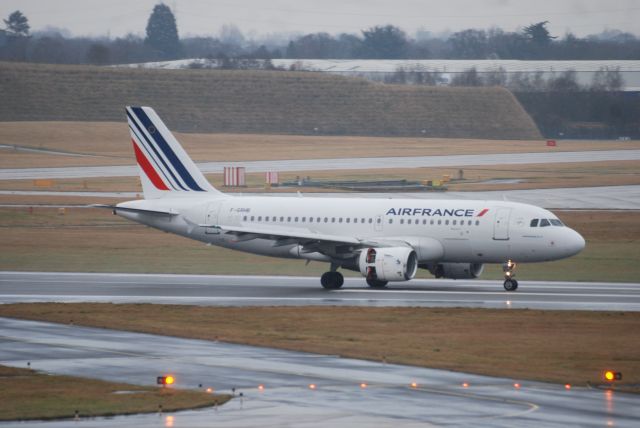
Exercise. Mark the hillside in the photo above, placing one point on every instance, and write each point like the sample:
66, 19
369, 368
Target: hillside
261, 102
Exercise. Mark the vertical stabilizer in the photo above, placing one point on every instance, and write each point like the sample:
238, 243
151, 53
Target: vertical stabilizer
165, 168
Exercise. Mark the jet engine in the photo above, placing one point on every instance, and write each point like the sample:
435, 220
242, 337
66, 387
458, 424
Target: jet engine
388, 264
456, 270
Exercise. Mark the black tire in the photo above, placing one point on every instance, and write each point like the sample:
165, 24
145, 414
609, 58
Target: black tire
510, 284
376, 283
331, 280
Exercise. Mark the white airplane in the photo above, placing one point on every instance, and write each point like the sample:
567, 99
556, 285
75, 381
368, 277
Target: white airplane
386, 240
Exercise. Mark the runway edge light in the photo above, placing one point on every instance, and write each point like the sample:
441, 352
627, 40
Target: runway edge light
610, 375
165, 380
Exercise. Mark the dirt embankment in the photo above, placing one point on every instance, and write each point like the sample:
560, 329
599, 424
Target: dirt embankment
261, 102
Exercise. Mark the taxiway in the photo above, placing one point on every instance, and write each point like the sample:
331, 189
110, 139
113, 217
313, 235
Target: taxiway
338, 164
347, 392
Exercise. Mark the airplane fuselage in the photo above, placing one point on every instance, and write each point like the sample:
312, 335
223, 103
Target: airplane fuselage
469, 231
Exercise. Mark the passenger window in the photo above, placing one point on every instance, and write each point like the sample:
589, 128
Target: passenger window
295, 219
260, 218
347, 219
289, 219
477, 222
401, 221
390, 221
409, 221
439, 222
244, 218
318, 220
304, 219
333, 219
431, 222
340, 220
534, 223
424, 221
252, 218
362, 220
326, 219
454, 222
281, 219
544, 223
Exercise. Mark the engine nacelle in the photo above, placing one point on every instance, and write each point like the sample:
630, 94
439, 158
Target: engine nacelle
388, 264
456, 270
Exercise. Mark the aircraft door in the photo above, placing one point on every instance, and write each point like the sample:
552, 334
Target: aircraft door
213, 211
501, 224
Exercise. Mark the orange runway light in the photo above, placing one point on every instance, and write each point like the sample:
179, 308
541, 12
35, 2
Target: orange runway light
465, 385
363, 385
516, 385
165, 380
414, 385
312, 386
261, 387
610, 375
567, 386
209, 390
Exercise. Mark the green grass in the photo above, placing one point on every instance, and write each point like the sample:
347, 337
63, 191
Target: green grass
27, 394
260, 102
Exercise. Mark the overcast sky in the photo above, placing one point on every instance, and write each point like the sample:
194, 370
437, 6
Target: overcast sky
205, 17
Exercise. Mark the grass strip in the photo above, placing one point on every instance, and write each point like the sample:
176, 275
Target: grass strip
27, 394
554, 346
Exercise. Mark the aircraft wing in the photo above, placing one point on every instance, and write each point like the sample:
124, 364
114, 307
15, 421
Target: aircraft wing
136, 210
308, 238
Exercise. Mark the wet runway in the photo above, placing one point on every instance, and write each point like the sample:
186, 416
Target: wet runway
351, 393
339, 164
229, 290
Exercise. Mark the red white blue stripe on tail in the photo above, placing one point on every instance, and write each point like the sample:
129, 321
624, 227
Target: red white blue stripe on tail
164, 165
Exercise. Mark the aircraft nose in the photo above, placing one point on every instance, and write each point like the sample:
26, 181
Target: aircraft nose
574, 242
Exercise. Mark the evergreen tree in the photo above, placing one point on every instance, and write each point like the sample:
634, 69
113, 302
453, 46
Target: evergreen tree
17, 25
162, 33
538, 33
386, 42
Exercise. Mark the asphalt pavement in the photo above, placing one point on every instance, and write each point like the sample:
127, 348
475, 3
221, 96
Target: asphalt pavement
236, 290
339, 164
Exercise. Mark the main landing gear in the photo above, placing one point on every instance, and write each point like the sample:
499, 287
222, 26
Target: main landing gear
510, 284
332, 280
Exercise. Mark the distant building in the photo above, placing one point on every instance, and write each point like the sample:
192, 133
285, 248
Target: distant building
380, 69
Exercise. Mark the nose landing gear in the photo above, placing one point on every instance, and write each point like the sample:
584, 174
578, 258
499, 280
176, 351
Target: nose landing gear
510, 284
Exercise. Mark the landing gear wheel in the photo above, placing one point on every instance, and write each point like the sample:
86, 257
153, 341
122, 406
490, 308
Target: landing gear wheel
510, 284
376, 283
332, 280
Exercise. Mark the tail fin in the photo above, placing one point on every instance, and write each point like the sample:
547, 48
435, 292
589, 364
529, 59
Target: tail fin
165, 168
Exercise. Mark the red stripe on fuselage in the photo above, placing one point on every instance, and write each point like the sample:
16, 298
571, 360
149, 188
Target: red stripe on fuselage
483, 212
148, 169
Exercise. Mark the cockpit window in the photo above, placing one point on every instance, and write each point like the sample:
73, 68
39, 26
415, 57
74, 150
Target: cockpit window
544, 223
555, 222
534, 222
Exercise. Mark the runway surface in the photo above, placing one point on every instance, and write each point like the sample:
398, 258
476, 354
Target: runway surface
338, 164
339, 398
209, 290
604, 197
